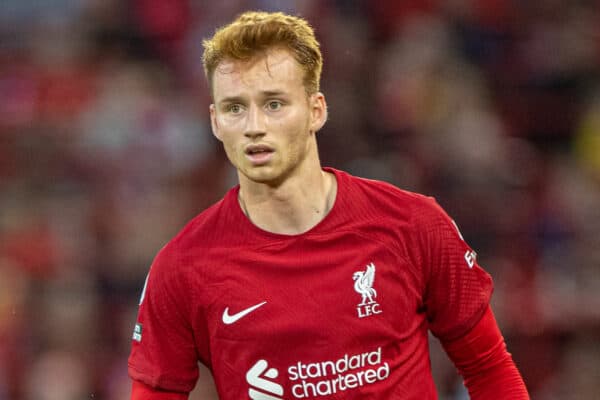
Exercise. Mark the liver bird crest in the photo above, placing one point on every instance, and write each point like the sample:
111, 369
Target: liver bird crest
363, 284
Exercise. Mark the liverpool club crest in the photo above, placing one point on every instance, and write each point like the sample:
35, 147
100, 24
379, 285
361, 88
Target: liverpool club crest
363, 284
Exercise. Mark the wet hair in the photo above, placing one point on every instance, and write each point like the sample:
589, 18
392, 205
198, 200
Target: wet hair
254, 32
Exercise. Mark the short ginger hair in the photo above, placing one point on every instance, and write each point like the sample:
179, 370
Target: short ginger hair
254, 32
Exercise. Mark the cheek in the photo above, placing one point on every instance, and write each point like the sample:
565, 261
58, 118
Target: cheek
298, 142
297, 127
231, 148
229, 144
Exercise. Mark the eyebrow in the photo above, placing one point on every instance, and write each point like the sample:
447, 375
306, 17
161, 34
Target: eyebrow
231, 99
238, 99
271, 93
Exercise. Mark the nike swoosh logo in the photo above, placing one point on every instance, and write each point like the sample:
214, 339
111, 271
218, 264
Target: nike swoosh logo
230, 319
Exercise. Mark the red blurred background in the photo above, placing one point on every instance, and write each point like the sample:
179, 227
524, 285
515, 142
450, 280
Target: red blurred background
491, 106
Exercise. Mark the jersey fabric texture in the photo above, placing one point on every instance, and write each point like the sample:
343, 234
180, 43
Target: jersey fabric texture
339, 312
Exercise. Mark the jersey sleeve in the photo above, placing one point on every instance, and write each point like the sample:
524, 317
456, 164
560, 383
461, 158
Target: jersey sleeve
141, 391
488, 369
457, 289
163, 354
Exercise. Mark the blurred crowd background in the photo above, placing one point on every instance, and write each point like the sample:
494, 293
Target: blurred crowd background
491, 106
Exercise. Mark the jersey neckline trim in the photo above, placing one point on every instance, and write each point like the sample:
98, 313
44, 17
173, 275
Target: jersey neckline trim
247, 223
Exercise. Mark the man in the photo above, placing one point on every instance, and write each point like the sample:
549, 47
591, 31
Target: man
305, 282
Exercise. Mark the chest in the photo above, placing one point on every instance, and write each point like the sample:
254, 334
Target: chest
313, 316
328, 291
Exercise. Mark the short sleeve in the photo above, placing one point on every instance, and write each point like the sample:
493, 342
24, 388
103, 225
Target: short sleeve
457, 289
163, 353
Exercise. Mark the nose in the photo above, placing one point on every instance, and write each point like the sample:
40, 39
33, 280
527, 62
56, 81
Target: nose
255, 123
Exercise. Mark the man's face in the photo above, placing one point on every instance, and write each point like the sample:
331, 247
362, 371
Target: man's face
264, 117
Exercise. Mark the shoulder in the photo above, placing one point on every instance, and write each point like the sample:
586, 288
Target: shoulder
386, 198
195, 240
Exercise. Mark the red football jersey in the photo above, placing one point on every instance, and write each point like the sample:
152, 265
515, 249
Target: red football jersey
339, 312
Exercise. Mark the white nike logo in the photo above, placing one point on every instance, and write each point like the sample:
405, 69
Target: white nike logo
230, 319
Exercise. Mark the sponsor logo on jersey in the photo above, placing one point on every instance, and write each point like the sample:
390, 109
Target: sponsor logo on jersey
321, 378
329, 377
470, 257
267, 389
363, 284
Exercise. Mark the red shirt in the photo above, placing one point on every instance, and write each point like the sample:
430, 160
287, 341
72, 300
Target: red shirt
339, 312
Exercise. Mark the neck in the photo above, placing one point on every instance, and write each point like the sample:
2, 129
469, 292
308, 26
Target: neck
293, 207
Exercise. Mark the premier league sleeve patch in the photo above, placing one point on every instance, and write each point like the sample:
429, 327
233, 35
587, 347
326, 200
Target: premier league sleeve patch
137, 332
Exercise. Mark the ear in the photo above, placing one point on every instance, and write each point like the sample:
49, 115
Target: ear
213, 121
318, 107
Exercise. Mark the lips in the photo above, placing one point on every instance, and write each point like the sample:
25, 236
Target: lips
258, 148
259, 153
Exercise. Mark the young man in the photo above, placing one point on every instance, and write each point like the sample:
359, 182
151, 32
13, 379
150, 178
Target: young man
305, 282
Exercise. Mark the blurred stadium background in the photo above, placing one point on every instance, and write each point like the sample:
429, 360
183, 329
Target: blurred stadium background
491, 106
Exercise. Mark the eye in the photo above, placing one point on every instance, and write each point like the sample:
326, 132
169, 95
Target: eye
274, 105
234, 108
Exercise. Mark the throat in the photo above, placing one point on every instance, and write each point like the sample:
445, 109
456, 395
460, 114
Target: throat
293, 214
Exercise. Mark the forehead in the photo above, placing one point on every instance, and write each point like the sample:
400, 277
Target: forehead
272, 70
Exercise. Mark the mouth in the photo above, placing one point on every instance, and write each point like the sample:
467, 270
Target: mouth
259, 154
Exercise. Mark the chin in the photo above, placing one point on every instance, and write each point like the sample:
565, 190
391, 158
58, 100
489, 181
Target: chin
259, 174
263, 175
